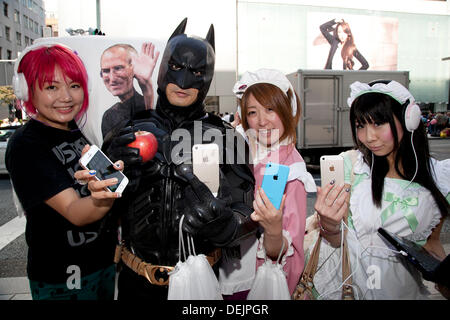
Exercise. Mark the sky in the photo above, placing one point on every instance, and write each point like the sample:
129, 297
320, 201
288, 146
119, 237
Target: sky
153, 19
51, 5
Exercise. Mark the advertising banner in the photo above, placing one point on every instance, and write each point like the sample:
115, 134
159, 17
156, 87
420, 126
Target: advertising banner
351, 42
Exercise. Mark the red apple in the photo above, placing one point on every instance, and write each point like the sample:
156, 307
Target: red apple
146, 143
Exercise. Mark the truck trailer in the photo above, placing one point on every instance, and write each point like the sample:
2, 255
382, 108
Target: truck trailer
324, 127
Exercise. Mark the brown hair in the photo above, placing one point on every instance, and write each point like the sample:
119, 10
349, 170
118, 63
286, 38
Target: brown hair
348, 47
270, 96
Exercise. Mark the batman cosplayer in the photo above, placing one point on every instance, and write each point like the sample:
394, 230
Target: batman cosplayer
164, 189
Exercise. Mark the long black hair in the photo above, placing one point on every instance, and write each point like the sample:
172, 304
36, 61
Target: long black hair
379, 108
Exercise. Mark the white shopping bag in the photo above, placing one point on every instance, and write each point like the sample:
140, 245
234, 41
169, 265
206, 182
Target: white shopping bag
194, 278
270, 282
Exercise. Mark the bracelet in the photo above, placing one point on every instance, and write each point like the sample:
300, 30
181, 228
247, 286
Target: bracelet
329, 233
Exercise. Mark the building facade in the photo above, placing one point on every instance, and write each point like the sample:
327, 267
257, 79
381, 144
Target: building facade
21, 22
392, 35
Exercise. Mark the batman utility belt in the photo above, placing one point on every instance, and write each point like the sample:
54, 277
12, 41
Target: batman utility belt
155, 274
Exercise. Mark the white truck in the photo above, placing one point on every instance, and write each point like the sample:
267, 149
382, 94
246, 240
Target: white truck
324, 127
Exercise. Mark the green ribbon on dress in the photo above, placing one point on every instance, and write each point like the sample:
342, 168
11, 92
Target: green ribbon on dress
399, 204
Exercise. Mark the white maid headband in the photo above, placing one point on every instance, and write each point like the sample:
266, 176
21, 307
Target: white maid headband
271, 76
393, 89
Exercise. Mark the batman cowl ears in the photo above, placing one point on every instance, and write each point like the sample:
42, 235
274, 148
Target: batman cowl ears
188, 62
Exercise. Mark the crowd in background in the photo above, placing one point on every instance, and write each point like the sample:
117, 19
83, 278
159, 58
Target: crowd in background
14, 117
437, 123
7, 123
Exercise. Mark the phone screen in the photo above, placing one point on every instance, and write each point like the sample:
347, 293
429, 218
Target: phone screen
105, 169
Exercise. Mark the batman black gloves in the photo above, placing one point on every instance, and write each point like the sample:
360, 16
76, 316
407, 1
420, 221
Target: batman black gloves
205, 215
116, 147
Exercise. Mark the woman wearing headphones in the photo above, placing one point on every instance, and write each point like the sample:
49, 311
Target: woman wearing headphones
68, 256
395, 184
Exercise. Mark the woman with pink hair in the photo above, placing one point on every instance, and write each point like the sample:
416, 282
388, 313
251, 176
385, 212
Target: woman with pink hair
70, 253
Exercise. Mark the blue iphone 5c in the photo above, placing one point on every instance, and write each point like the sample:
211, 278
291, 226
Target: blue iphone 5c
274, 182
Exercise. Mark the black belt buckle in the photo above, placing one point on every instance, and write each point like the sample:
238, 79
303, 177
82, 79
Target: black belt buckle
161, 275
157, 275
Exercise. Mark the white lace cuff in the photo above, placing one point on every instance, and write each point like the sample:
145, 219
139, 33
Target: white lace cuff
261, 253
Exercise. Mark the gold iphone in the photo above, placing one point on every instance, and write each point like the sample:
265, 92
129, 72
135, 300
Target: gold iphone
205, 163
332, 168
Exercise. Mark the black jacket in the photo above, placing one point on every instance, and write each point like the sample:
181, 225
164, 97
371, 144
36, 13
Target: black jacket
150, 214
159, 194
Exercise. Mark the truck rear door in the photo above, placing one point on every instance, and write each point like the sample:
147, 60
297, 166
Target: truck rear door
321, 98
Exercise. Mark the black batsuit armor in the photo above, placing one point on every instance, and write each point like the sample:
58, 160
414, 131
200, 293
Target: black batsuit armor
164, 189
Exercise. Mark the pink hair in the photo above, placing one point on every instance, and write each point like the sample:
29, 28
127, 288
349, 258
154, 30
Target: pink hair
39, 65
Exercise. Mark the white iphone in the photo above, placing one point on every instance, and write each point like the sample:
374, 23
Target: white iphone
95, 159
205, 164
332, 168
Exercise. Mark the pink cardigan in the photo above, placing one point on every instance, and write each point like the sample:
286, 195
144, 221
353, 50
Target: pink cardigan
294, 215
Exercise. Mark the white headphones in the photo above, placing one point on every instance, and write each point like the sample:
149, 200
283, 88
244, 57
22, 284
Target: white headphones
19, 82
412, 113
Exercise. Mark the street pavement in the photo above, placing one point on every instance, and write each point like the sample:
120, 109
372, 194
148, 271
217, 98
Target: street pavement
13, 249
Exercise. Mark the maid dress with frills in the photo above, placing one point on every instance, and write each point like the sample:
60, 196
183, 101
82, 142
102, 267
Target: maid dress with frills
238, 274
408, 210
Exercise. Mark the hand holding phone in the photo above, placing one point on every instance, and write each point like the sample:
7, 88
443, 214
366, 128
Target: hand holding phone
95, 159
332, 198
274, 182
332, 168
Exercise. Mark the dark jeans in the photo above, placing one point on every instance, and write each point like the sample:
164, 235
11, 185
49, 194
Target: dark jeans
132, 287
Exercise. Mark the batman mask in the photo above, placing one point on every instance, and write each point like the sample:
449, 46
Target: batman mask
188, 62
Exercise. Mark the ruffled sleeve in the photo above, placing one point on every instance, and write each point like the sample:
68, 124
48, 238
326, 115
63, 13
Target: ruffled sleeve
297, 170
441, 175
261, 253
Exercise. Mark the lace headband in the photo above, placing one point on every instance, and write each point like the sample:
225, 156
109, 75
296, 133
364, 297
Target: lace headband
392, 89
271, 76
